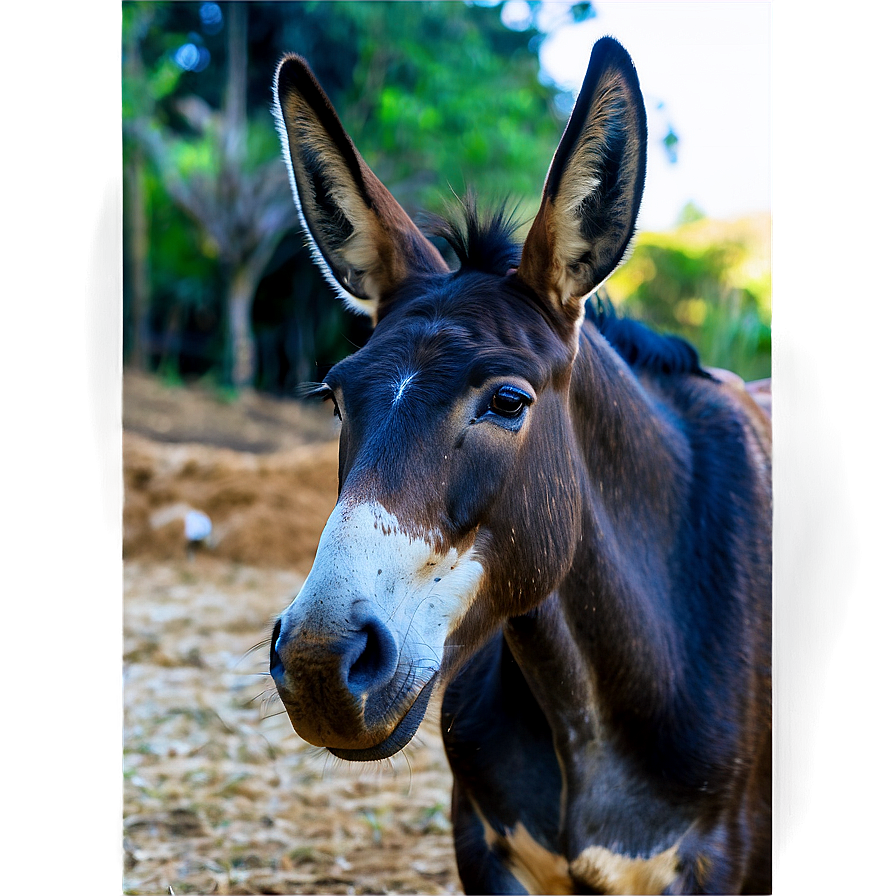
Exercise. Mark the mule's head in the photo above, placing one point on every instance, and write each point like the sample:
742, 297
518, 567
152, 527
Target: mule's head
459, 500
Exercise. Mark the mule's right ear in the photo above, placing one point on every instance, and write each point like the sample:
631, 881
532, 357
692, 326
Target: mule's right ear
361, 238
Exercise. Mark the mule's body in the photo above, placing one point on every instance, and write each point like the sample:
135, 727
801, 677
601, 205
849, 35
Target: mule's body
554, 515
616, 738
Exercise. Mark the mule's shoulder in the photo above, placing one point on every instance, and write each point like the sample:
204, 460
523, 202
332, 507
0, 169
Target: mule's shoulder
725, 406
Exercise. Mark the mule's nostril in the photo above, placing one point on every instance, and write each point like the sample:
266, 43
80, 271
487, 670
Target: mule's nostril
376, 658
276, 662
368, 660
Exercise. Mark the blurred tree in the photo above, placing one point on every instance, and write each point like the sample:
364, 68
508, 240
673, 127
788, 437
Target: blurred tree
436, 96
414, 83
241, 203
142, 88
443, 95
137, 245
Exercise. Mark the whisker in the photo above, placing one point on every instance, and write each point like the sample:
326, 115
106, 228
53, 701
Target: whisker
272, 750
411, 622
248, 703
349, 341
269, 697
410, 772
265, 643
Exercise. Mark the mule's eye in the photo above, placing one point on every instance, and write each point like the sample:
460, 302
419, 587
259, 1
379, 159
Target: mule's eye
509, 402
325, 393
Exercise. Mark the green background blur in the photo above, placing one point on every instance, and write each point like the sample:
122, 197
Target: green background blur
438, 97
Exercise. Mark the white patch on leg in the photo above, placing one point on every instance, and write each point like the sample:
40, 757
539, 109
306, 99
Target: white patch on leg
366, 556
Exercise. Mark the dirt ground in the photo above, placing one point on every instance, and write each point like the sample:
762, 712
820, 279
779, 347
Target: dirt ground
220, 795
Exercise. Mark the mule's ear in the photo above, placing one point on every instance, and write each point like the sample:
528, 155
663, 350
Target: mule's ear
360, 236
593, 188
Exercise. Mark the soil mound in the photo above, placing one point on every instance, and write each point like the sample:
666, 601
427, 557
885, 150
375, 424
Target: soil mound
266, 510
262, 470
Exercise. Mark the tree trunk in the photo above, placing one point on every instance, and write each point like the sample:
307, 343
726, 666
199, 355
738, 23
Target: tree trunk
237, 86
137, 247
240, 292
241, 282
137, 232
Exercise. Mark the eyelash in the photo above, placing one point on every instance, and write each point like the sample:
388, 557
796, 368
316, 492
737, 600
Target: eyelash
519, 400
325, 393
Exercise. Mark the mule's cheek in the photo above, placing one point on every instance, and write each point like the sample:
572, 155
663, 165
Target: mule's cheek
534, 547
480, 471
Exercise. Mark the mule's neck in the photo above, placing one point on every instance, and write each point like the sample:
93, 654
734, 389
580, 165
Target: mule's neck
662, 604
634, 463
614, 629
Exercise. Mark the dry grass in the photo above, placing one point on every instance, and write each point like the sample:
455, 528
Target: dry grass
220, 796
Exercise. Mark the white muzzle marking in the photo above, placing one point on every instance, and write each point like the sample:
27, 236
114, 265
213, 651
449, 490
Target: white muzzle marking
366, 556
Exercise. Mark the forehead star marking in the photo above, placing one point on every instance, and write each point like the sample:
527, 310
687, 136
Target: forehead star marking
400, 385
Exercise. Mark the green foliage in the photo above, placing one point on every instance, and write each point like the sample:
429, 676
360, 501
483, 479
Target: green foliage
437, 97
709, 282
145, 85
442, 96
183, 262
690, 213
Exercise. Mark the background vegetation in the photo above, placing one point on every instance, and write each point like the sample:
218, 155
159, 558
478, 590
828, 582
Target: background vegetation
218, 284
709, 281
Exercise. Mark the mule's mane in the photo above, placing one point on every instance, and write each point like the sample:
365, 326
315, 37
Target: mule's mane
639, 346
482, 241
486, 242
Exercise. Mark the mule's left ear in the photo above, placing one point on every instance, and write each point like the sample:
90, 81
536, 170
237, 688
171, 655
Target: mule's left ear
594, 186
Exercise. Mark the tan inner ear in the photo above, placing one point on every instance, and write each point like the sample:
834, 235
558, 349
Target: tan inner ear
558, 258
579, 183
365, 260
384, 244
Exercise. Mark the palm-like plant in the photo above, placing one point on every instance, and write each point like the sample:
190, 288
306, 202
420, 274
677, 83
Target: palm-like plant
230, 181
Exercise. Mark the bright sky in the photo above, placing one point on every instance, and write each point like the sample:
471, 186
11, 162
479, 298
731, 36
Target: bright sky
708, 64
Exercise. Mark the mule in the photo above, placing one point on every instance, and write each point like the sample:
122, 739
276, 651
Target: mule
549, 515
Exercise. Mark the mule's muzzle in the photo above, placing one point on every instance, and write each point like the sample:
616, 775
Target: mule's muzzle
343, 690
